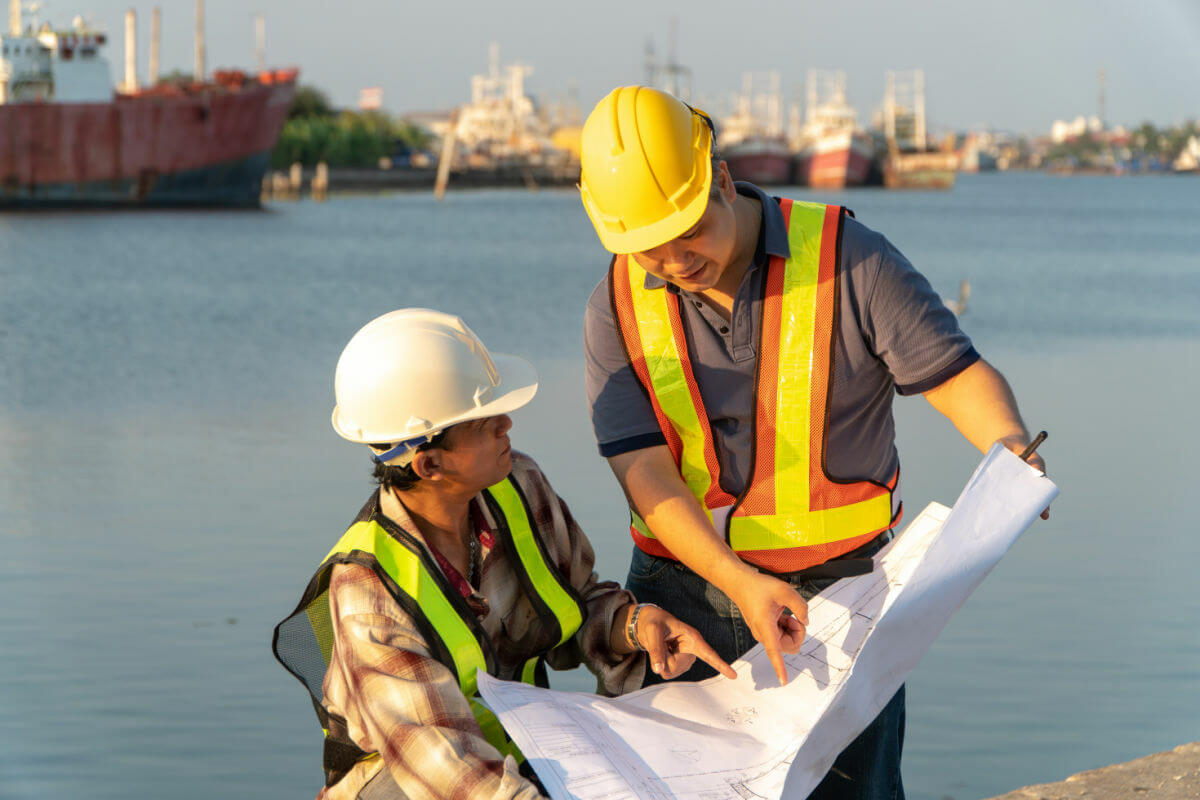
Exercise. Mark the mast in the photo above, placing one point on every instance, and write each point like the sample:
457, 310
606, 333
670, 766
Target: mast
260, 42
155, 40
131, 83
919, 108
198, 61
14, 17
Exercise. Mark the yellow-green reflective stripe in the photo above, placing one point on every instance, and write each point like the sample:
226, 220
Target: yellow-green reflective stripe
406, 569
562, 604
493, 731
529, 671
800, 529
665, 368
793, 398
641, 527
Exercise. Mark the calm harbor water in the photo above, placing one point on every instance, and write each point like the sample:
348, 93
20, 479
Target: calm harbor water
169, 479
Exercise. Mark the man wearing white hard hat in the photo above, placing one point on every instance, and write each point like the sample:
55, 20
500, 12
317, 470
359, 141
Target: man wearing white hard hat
464, 559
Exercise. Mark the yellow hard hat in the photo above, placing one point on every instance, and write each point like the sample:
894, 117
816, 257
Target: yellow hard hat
646, 166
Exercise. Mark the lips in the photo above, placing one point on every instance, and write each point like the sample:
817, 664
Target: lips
690, 275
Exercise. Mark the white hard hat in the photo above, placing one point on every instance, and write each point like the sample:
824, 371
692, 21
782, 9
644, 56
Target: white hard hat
411, 373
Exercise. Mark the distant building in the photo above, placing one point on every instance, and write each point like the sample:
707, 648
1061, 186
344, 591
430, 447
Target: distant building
370, 98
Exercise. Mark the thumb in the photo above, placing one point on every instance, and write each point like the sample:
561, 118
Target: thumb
650, 636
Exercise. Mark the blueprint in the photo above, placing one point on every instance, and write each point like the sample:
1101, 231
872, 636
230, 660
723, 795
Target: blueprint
749, 737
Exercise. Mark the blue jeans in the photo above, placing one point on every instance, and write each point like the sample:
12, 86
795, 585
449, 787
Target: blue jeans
868, 769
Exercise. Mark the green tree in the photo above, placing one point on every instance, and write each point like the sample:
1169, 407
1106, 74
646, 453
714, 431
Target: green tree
309, 102
1145, 138
411, 135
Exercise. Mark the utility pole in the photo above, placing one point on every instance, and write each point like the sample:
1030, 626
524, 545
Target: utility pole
1100, 104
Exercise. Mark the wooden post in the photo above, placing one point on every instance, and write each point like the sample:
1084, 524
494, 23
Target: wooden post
446, 158
279, 185
295, 180
320, 182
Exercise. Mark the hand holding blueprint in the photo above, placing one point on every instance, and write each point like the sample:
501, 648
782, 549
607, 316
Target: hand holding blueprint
750, 737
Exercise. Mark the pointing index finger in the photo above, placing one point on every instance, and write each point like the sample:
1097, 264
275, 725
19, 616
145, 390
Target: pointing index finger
772, 649
698, 647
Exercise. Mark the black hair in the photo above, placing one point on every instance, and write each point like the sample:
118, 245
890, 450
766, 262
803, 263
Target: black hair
404, 478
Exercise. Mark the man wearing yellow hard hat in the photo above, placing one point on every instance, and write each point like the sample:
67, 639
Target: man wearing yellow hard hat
742, 354
463, 559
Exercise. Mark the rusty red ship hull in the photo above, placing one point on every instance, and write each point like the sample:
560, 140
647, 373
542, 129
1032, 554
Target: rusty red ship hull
203, 145
835, 161
760, 160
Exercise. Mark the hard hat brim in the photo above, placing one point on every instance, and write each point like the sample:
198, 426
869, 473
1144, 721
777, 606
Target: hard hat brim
518, 384
650, 236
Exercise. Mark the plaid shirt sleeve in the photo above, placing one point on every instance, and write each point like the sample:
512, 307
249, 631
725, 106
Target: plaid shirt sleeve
401, 702
572, 553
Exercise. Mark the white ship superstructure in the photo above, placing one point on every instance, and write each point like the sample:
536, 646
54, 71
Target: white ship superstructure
751, 140
43, 65
833, 151
501, 121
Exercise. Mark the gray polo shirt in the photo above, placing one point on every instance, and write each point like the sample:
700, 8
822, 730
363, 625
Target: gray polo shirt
894, 336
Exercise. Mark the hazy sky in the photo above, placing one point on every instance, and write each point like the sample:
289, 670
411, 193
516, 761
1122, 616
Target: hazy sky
1016, 65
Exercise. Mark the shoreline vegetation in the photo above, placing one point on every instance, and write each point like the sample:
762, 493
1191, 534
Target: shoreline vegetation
316, 132
327, 149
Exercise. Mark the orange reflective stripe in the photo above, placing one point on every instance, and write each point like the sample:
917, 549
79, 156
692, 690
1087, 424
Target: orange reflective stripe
813, 518
827, 493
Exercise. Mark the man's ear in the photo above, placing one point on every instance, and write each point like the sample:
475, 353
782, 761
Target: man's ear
724, 182
427, 464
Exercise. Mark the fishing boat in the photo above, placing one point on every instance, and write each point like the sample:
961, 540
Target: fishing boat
834, 152
752, 143
910, 162
68, 139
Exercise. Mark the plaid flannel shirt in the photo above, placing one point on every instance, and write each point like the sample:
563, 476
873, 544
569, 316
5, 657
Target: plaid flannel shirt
399, 701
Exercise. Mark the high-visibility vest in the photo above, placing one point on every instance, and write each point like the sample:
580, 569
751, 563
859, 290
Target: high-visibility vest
792, 514
303, 642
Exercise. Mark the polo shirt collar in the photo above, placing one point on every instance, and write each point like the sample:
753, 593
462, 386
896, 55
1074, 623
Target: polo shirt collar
772, 234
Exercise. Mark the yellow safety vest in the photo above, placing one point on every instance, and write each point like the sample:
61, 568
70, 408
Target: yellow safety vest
303, 642
792, 513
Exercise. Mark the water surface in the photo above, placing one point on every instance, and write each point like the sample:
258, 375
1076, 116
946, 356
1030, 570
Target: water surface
169, 479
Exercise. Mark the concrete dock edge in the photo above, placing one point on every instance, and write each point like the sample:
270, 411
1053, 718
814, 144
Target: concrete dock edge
1170, 775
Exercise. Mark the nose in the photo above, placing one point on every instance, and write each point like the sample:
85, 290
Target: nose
678, 259
504, 424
